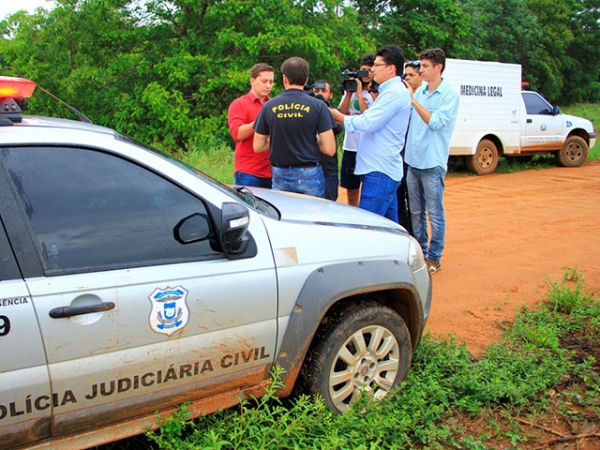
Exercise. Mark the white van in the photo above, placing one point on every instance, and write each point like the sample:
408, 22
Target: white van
497, 118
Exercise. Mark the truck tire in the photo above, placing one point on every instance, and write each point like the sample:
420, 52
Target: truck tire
573, 153
485, 159
366, 349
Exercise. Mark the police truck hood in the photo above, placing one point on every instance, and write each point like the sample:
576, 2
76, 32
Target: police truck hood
298, 207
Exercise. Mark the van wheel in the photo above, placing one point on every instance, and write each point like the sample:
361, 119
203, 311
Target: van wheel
485, 159
573, 153
366, 349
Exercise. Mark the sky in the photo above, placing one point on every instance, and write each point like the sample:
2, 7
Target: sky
12, 6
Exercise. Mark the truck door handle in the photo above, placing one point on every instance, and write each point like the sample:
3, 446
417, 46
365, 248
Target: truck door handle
70, 311
529, 120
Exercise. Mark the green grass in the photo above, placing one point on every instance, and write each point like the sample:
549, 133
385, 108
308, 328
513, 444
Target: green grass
543, 375
216, 158
590, 111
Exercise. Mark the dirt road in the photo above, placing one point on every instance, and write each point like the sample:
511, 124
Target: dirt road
506, 235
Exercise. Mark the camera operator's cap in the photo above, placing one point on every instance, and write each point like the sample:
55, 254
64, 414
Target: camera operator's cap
320, 85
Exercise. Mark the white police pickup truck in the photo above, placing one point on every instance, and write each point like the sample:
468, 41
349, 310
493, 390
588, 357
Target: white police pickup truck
130, 283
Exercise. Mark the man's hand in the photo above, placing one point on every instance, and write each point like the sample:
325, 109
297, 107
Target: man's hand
337, 116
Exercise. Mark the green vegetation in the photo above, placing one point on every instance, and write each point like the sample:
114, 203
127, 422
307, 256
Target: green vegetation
216, 160
590, 111
539, 386
164, 72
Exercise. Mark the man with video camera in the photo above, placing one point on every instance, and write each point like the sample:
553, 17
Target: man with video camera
322, 90
357, 100
382, 130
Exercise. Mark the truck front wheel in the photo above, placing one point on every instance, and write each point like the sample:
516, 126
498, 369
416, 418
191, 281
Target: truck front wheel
573, 153
485, 159
364, 349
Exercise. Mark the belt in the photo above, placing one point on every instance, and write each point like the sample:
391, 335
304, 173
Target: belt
300, 166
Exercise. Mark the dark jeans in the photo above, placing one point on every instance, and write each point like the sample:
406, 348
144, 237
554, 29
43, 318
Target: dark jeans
331, 186
245, 179
404, 217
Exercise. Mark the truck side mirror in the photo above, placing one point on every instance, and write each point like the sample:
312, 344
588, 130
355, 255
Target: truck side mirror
193, 228
555, 110
234, 235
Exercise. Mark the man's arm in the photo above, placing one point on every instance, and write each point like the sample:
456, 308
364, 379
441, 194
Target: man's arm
423, 113
237, 120
260, 143
362, 103
337, 116
326, 142
345, 105
443, 115
245, 131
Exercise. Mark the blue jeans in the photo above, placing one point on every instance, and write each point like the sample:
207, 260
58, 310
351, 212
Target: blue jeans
331, 186
378, 195
245, 179
303, 180
426, 193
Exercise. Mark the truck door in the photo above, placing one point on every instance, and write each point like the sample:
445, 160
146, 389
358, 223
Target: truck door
132, 318
26, 401
543, 128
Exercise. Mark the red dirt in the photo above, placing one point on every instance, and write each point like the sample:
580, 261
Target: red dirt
507, 235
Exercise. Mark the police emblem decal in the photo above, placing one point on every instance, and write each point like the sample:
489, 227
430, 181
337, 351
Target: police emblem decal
169, 311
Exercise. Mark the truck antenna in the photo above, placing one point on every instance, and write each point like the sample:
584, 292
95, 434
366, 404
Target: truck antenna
81, 116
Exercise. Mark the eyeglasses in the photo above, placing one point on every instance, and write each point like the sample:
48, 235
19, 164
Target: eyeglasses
415, 64
377, 65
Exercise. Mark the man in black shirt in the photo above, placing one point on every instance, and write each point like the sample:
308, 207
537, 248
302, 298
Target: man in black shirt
296, 128
322, 90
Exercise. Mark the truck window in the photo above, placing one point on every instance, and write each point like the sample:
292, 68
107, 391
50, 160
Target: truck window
536, 104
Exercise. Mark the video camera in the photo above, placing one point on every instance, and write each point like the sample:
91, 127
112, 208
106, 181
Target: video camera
351, 83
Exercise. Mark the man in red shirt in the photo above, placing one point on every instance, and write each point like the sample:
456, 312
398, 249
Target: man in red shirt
251, 169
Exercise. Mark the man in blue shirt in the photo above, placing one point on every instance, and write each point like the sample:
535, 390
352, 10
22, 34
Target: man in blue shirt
435, 106
382, 129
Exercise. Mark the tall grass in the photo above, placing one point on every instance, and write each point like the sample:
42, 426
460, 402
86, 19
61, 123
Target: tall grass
450, 399
590, 111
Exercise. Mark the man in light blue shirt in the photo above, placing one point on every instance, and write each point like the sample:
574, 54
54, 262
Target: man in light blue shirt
382, 130
427, 150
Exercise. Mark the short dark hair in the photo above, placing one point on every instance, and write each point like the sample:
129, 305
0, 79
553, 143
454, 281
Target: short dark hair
435, 55
322, 82
392, 55
368, 60
296, 70
260, 67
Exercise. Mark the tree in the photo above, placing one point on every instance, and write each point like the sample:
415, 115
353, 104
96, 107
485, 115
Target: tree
582, 63
82, 51
416, 25
166, 71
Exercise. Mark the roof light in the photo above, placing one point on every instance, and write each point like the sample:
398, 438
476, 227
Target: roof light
16, 88
14, 93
